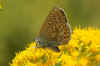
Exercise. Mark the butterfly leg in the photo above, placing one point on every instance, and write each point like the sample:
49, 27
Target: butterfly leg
55, 49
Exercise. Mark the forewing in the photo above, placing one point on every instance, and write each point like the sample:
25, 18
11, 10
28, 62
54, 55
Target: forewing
56, 27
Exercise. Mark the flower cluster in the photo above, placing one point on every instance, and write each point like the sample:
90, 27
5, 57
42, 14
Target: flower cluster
82, 50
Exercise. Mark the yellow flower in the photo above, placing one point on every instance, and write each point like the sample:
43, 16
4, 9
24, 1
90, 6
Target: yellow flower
68, 60
82, 50
97, 57
30, 64
75, 53
93, 48
84, 62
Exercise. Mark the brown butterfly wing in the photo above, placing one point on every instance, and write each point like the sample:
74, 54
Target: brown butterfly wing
56, 27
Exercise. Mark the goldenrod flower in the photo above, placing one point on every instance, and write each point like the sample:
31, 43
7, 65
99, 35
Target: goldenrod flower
82, 50
97, 57
84, 62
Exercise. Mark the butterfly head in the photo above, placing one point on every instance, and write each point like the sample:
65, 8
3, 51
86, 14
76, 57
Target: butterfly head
40, 42
37, 40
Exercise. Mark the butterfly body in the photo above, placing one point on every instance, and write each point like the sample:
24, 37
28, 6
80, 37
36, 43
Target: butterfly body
55, 30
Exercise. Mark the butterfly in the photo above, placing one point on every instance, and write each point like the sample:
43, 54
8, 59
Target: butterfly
55, 30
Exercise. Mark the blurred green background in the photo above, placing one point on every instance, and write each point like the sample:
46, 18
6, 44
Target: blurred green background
20, 21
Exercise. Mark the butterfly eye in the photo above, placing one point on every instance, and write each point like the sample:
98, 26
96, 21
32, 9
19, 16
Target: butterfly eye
37, 41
